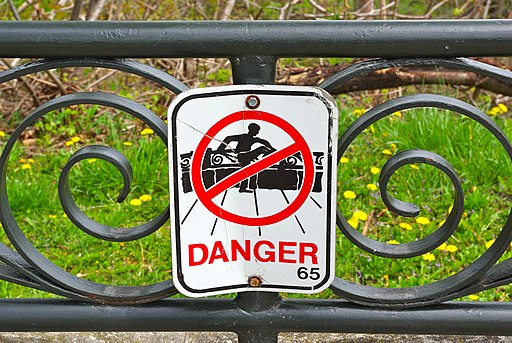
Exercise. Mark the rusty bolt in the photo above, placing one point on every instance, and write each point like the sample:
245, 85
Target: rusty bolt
252, 102
255, 281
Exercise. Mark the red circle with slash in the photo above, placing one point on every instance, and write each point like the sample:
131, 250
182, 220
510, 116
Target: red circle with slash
299, 145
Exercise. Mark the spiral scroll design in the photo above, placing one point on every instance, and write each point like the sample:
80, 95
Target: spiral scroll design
479, 275
26, 265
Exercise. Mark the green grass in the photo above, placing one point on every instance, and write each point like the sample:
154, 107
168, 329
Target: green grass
480, 161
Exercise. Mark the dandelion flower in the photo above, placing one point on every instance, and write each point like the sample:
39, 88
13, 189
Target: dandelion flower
343, 160
489, 243
387, 152
450, 208
451, 248
398, 114
406, 226
91, 160
31, 160
371, 186
135, 202
147, 131
69, 143
127, 143
360, 215
26, 166
441, 223
393, 146
75, 139
374, 170
64, 215
428, 257
145, 197
22, 160
442, 247
415, 167
423, 220
353, 222
392, 241
473, 297
359, 112
349, 195
52, 216
503, 108
2, 134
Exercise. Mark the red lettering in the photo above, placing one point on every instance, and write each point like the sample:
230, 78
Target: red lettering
236, 249
218, 252
270, 255
283, 251
204, 256
308, 249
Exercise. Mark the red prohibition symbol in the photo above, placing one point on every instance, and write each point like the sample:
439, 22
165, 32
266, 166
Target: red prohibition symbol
299, 145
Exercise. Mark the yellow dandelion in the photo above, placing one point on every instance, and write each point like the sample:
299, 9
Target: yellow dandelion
349, 195
415, 167
428, 257
122, 244
64, 215
473, 297
69, 143
145, 198
31, 160
393, 146
26, 166
75, 139
127, 143
392, 241
135, 202
374, 170
441, 223
442, 247
91, 160
22, 160
353, 222
423, 220
489, 243
52, 216
2, 134
372, 186
398, 114
343, 160
147, 131
450, 208
493, 111
406, 226
503, 108
359, 112
387, 152
451, 248
360, 215
372, 128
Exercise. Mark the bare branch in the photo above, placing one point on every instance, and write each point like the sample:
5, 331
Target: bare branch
230, 4
13, 10
75, 14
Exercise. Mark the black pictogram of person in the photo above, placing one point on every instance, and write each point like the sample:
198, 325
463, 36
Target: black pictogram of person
244, 149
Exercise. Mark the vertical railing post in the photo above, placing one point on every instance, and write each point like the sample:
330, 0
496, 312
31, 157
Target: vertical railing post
255, 70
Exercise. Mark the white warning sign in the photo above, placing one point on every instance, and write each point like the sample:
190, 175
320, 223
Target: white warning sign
253, 179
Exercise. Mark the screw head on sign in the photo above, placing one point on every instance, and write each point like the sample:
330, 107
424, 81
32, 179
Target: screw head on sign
255, 281
252, 101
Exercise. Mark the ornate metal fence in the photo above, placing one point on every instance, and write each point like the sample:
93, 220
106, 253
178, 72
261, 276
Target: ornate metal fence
253, 49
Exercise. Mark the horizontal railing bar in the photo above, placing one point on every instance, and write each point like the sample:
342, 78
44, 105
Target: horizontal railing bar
429, 38
292, 315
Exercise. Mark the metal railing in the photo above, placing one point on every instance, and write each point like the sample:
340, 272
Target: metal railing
253, 49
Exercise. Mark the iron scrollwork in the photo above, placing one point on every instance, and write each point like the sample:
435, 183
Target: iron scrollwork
480, 275
27, 266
